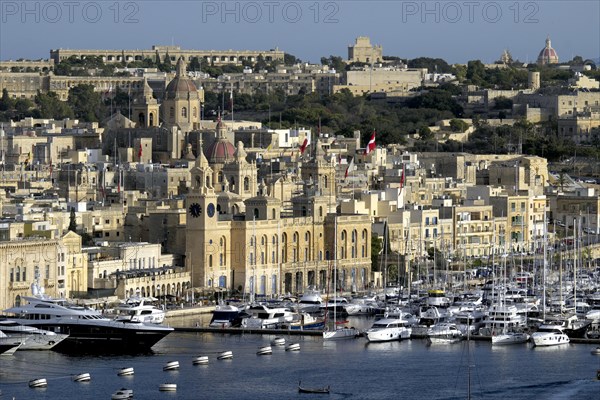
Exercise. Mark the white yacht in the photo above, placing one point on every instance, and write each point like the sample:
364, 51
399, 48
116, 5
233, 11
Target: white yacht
264, 317
510, 338
8, 345
226, 316
444, 333
549, 335
140, 309
340, 333
32, 337
388, 329
311, 301
502, 318
470, 321
429, 317
88, 329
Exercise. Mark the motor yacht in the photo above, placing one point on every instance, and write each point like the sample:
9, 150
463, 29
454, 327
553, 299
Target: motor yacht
226, 316
32, 337
444, 333
549, 335
140, 309
388, 329
88, 330
265, 317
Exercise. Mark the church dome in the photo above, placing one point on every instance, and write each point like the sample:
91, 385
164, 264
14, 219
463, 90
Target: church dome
221, 151
181, 85
548, 55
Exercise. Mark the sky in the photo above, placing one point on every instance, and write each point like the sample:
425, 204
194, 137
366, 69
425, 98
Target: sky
456, 31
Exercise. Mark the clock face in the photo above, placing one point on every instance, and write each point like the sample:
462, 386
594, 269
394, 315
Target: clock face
195, 210
210, 209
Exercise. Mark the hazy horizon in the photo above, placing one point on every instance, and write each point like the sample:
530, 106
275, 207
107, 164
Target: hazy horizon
455, 31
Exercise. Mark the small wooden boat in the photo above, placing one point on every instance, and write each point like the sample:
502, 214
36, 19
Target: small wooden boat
293, 347
278, 341
127, 371
200, 360
85, 377
171, 366
226, 355
318, 390
38, 383
265, 350
596, 351
168, 387
122, 394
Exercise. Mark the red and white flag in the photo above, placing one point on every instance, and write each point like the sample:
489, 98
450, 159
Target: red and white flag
305, 144
371, 145
350, 168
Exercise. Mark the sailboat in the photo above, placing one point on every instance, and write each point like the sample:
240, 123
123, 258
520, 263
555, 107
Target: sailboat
506, 336
337, 332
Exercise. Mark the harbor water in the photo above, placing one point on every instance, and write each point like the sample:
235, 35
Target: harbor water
354, 369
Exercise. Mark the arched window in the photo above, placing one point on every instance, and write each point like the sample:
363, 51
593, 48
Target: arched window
171, 113
256, 213
194, 112
320, 211
246, 184
184, 112
210, 261
325, 181
151, 119
18, 275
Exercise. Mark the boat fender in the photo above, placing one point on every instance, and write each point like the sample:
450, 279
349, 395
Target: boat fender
386, 315
598, 375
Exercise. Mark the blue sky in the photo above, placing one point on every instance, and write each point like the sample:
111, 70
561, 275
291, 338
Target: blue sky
456, 31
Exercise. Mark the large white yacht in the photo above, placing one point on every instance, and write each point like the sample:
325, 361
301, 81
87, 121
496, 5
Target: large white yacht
549, 335
32, 337
88, 330
388, 329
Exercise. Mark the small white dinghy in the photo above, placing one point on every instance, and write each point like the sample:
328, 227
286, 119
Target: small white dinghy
200, 360
38, 383
226, 355
122, 394
85, 377
168, 387
293, 347
171, 366
265, 350
596, 351
127, 371
278, 341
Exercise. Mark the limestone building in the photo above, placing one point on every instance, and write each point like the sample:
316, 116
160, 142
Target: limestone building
363, 51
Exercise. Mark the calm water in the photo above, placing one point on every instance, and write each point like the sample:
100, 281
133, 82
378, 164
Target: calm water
353, 369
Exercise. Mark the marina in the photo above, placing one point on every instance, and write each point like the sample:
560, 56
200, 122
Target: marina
352, 369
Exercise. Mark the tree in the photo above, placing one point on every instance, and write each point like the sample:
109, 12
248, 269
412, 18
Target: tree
85, 103
289, 59
502, 103
458, 125
6, 103
376, 248
476, 72
50, 106
72, 220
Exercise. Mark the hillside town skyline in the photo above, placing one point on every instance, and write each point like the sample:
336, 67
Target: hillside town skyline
174, 172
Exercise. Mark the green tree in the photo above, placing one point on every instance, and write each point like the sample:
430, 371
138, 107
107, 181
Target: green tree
458, 125
6, 103
376, 248
85, 103
476, 72
72, 220
289, 59
432, 64
50, 106
502, 103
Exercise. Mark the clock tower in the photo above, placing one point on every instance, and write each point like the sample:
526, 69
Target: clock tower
205, 236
